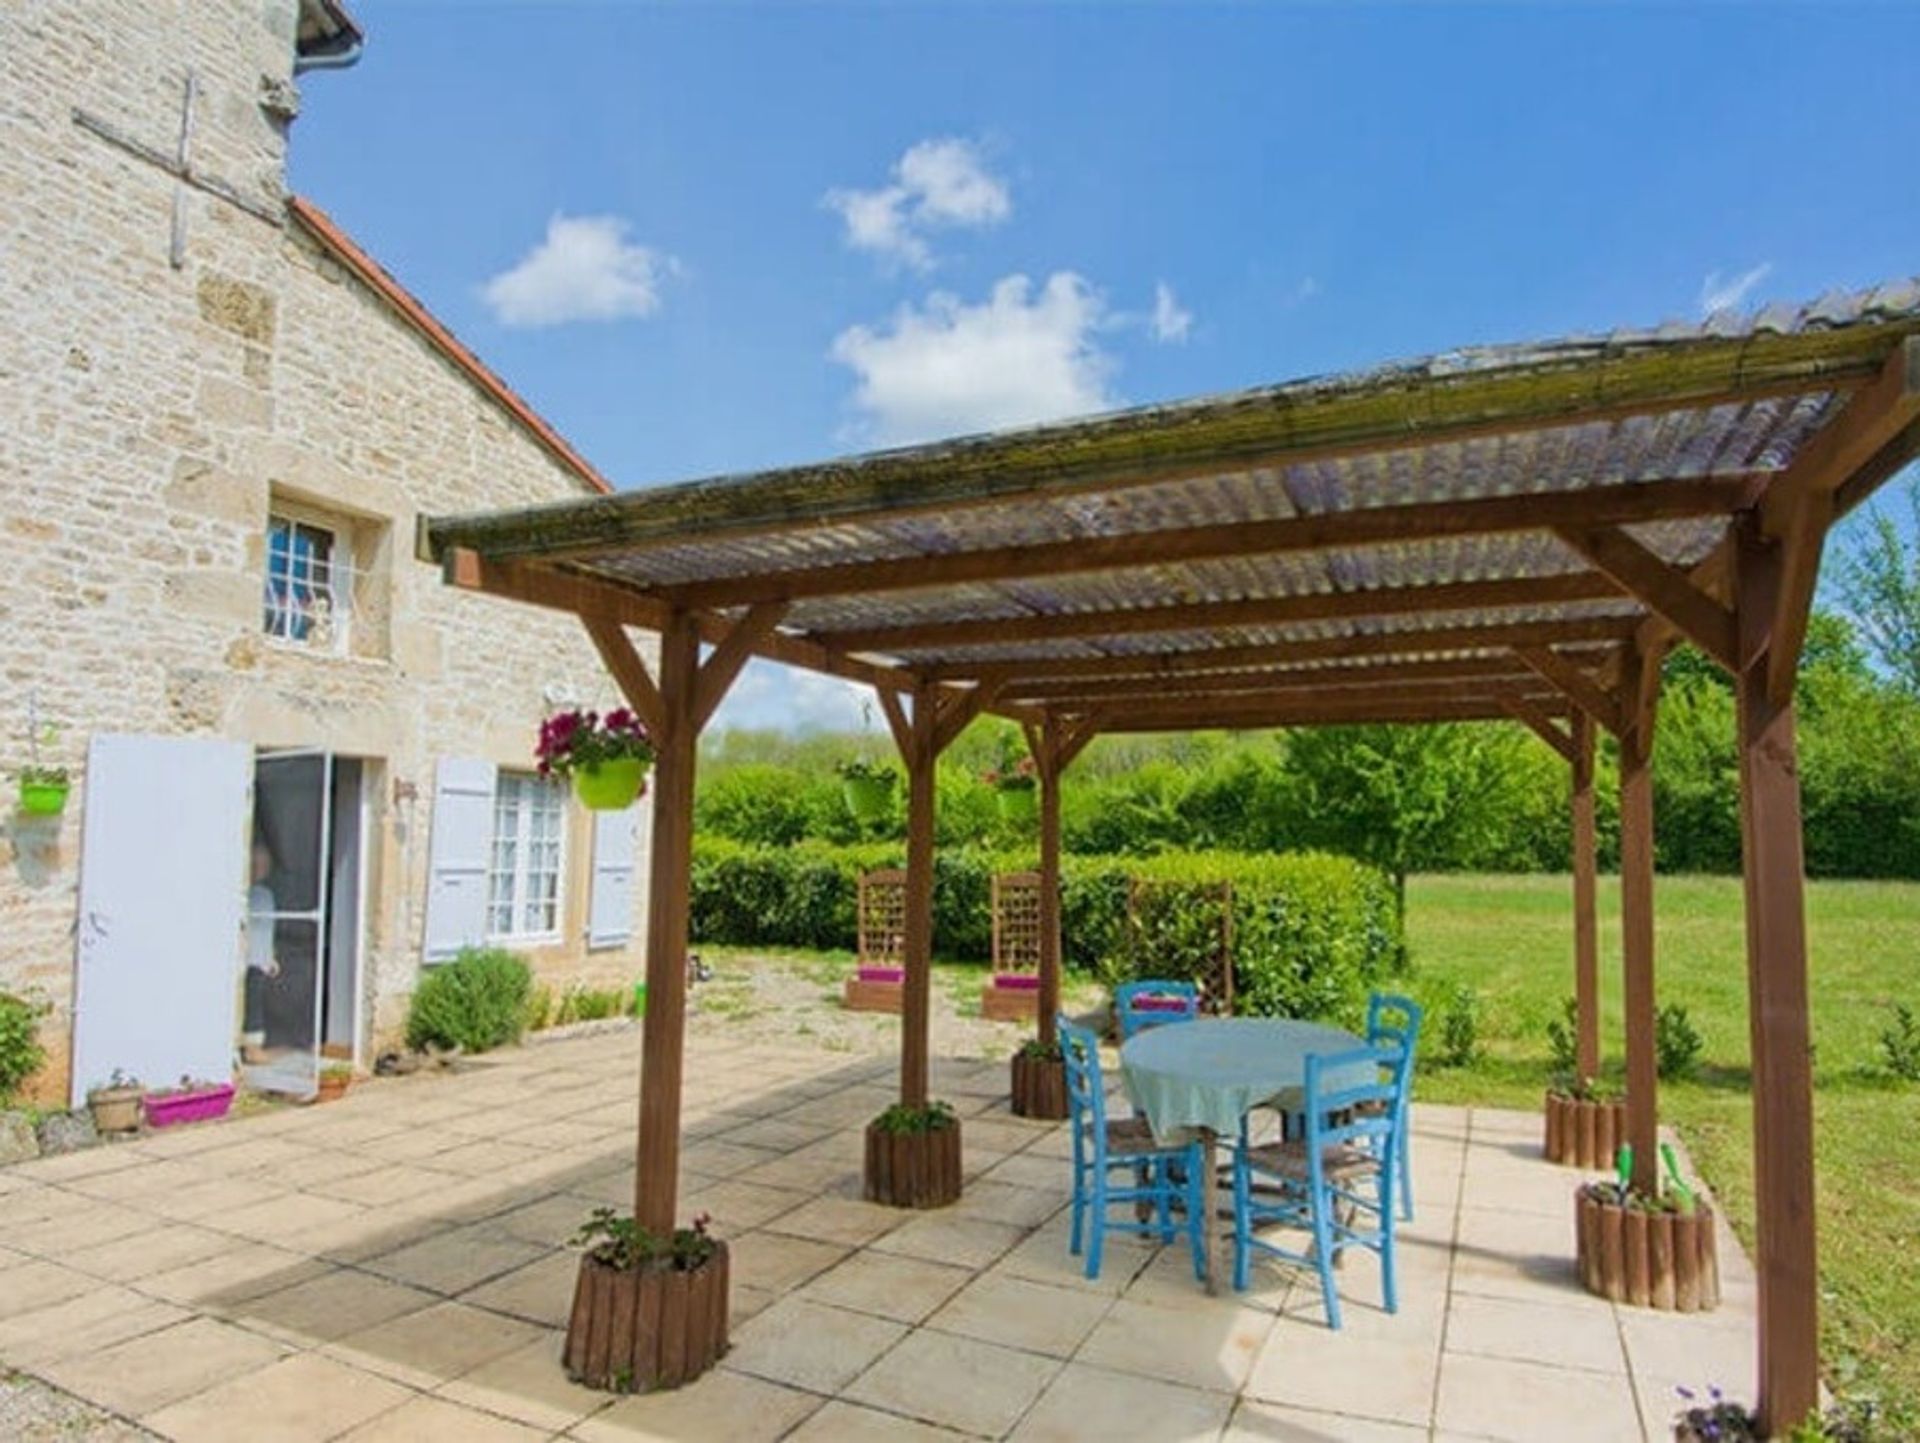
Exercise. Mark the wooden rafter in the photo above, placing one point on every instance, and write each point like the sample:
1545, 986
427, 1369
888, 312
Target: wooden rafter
1659, 585
1367, 526
1440, 700
1211, 615
1070, 692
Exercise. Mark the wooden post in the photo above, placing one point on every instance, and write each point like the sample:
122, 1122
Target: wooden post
916, 998
657, 1183
1586, 936
1770, 844
1636, 932
1049, 763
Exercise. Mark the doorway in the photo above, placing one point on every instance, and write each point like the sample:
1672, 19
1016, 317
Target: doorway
300, 978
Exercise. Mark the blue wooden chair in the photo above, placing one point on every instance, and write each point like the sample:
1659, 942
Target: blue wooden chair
1336, 1181
1101, 1145
1393, 1021
1140, 1005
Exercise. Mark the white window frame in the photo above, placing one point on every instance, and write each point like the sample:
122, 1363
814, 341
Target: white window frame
338, 588
525, 785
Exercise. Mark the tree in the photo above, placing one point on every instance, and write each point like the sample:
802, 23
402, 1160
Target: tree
1401, 797
1879, 580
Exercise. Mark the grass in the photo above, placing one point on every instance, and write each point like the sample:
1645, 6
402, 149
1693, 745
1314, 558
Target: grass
1510, 939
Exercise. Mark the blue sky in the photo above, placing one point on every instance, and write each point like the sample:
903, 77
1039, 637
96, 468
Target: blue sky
707, 238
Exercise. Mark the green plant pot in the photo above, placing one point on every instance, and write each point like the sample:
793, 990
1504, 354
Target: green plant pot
1019, 804
610, 786
868, 798
43, 799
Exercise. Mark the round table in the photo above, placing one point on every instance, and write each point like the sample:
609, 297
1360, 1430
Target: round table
1204, 1076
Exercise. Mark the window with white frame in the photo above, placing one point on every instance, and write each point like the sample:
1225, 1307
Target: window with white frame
309, 584
523, 879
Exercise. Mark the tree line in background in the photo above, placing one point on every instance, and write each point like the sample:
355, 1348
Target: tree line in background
1463, 797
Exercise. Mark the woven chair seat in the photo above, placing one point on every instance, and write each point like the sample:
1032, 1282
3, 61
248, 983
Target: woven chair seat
1289, 1160
1130, 1135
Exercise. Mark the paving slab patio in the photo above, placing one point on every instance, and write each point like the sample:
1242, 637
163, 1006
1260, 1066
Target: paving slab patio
394, 1266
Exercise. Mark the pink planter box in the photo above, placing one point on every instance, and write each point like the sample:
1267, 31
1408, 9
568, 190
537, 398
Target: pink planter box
181, 1107
882, 974
1161, 1004
1016, 981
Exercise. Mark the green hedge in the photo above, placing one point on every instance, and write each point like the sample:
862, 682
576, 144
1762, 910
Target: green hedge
1311, 932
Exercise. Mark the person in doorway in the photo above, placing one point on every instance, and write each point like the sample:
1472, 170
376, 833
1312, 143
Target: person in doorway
263, 966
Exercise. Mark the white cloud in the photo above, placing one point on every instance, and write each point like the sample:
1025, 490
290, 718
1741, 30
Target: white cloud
1171, 321
1717, 294
584, 270
771, 697
936, 184
947, 367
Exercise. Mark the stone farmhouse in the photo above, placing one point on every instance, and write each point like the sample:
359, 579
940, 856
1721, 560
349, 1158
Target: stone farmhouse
288, 743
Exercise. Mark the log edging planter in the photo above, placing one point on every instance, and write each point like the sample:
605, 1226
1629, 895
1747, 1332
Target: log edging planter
1039, 1087
913, 1169
1646, 1258
633, 1330
1584, 1132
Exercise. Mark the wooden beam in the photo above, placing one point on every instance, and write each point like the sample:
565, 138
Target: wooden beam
1285, 426
958, 709
1366, 526
717, 673
1414, 642
1875, 415
917, 924
1661, 587
1548, 728
629, 672
1786, 1258
900, 724
1070, 693
1076, 734
1800, 549
1586, 932
670, 865
1226, 615
1579, 685
1047, 748
1411, 711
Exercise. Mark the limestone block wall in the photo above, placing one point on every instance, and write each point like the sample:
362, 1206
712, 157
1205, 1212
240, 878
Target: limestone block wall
152, 412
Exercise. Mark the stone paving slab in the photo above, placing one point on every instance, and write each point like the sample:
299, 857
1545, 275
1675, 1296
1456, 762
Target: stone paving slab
393, 1266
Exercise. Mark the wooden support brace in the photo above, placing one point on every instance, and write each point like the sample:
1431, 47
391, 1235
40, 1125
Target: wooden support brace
1786, 635
629, 672
1665, 589
957, 710
1577, 684
1542, 725
717, 673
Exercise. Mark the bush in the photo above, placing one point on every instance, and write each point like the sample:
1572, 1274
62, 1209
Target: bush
475, 1002
1676, 1043
1563, 1043
1311, 933
1900, 1041
1459, 1028
20, 1051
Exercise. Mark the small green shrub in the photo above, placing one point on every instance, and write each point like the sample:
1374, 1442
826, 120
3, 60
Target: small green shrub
1459, 1028
475, 1002
540, 1008
933, 1117
592, 1004
1900, 1041
1677, 1043
20, 1051
1563, 1045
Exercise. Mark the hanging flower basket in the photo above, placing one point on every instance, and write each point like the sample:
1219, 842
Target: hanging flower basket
868, 789
610, 786
1018, 804
607, 757
1016, 786
43, 794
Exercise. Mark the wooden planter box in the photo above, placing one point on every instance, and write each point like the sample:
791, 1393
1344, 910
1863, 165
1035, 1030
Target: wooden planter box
1585, 1134
913, 1169
1039, 1087
635, 1330
1649, 1259
878, 992
999, 1003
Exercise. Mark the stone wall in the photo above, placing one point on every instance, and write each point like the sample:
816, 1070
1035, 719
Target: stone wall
152, 412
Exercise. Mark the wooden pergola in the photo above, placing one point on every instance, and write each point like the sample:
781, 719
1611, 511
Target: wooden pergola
1507, 533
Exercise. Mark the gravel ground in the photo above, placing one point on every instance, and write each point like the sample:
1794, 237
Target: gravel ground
34, 1412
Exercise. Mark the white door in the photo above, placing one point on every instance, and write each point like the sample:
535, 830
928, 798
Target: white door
162, 897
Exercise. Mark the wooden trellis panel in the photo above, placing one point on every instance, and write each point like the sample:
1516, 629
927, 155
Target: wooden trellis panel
1016, 922
883, 918
1215, 975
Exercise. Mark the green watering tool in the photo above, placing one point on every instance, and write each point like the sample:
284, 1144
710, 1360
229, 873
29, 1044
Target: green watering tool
1623, 1167
1682, 1194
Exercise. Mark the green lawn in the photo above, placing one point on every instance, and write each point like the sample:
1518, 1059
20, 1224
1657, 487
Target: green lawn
1510, 939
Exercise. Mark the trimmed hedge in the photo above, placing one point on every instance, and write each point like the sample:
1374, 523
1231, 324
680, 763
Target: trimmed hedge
1312, 932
